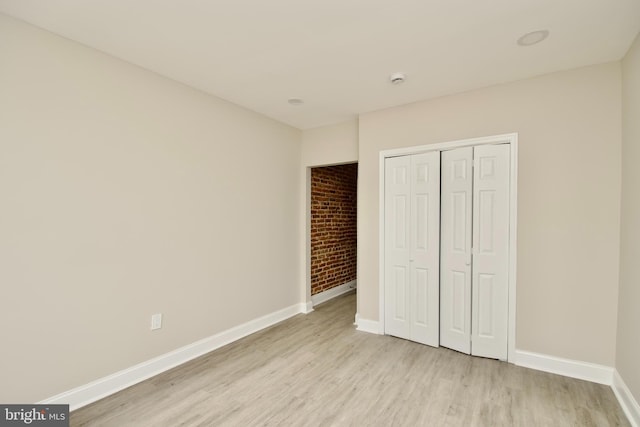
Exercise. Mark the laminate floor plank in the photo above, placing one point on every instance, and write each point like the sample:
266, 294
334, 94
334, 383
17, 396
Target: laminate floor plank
317, 370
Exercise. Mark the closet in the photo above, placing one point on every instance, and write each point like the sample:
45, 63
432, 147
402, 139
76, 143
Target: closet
446, 248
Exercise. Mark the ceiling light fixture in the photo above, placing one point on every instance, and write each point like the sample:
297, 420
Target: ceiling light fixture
397, 78
534, 37
296, 102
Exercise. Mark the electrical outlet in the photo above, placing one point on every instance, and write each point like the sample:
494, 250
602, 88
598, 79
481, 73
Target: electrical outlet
156, 321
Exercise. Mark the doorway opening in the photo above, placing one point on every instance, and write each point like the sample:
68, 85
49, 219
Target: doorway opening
333, 231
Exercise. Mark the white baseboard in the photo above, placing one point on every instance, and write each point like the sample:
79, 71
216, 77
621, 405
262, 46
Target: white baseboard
103, 387
569, 368
366, 325
307, 307
629, 404
333, 292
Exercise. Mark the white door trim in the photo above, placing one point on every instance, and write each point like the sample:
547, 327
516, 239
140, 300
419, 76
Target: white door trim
512, 140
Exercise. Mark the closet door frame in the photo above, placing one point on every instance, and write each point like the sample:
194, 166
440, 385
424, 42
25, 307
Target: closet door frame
512, 140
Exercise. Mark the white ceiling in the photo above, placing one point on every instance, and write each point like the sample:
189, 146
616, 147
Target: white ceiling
337, 54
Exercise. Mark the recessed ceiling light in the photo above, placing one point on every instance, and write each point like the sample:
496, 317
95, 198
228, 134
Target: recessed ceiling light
397, 78
534, 37
295, 101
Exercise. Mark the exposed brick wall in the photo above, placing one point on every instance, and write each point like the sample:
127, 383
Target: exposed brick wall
333, 226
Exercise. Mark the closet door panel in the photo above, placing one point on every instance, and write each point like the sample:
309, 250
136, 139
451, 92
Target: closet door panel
490, 251
397, 248
424, 241
456, 223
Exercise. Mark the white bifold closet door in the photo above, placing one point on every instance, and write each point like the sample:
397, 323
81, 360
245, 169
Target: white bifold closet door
455, 264
475, 250
412, 246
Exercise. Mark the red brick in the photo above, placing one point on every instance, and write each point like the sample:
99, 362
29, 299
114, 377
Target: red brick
333, 226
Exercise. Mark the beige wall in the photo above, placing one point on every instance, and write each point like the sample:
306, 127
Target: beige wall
628, 344
568, 198
323, 146
330, 145
125, 194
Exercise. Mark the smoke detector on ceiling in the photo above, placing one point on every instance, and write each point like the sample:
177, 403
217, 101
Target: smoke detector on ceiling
397, 78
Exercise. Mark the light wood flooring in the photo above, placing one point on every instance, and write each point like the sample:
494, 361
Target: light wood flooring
317, 370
